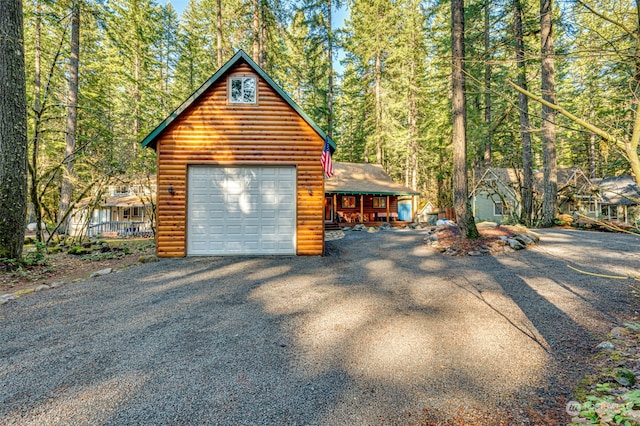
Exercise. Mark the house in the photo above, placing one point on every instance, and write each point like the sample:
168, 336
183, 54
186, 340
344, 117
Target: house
238, 170
366, 193
122, 210
619, 199
496, 194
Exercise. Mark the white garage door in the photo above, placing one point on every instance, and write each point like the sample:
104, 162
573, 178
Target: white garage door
241, 210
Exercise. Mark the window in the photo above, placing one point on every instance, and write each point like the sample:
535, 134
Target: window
500, 209
242, 90
348, 202
137, 211
379, 202
126, 213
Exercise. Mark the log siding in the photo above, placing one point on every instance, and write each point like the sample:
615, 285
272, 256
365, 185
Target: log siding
213, 131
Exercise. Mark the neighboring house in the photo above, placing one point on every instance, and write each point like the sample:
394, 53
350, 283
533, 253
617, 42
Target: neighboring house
366, 193
123, 210
496, 194
619, 199
239, 170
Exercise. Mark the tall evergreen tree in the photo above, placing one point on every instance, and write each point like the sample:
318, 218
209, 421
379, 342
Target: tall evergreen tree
13, 131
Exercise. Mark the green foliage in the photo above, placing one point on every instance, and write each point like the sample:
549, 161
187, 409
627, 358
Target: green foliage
38, 256
79, 250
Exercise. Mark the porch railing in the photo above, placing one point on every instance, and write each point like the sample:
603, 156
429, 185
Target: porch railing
123, 229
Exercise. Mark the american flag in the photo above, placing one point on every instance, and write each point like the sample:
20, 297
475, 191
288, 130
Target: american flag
325, 160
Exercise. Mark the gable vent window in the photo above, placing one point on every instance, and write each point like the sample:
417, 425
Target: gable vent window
243, 90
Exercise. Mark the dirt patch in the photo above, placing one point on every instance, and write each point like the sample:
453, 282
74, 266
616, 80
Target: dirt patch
64, 267
492, 240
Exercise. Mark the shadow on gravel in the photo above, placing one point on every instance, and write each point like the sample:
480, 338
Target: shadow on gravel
381, 330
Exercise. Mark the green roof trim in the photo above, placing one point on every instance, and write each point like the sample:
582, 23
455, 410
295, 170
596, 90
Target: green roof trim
150, 140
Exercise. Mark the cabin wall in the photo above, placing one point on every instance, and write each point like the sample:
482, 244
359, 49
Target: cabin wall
213, 132
370, 213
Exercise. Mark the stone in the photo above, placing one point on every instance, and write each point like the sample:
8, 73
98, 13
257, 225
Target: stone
359, 227
515, 244
503, 238
618, 332
385, 226
101, 272
42, 287
524, 239
57, 284
475, 253
606, 346
372, 229
6, 297
535, 237
153, 258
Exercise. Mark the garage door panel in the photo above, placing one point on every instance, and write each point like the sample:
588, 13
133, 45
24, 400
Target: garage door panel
241, 210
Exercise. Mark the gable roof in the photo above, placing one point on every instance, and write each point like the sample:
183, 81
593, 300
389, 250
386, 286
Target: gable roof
151, 139
619, 190
352, 178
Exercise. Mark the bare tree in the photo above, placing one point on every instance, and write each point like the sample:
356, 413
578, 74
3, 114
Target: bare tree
464, 217
13, 131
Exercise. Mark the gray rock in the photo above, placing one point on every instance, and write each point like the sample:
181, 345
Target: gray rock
503, 238
618, 332
6, 297
475, 253
385, 226
101, 272
57, 284
535, 237
606, 346
415, 225
515, 244
524, 239
372, 229
42, 287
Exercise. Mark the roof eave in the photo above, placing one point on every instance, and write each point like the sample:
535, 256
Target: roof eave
151, 139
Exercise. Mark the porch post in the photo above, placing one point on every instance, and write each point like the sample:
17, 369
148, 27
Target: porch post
388, 211
361, 208
335, 207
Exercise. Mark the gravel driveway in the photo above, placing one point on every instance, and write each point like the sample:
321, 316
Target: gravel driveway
382, 330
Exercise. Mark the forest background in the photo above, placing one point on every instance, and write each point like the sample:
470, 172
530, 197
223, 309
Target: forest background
101, 74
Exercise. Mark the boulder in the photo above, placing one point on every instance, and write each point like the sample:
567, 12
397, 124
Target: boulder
524, 239
359, 227
486, 225
515, 244
606, 346
6, 297
101, 272
42, 287
385, 226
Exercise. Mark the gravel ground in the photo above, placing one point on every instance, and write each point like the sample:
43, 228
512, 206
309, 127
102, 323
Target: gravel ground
382, 330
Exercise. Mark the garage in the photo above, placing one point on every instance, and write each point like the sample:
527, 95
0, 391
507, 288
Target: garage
241, 210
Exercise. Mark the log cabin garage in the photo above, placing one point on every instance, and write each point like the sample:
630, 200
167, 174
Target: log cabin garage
238, 169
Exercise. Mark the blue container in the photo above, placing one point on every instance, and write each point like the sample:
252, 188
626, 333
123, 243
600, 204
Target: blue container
404, 212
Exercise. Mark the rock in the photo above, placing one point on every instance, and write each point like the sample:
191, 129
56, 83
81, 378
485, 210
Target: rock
515, 244
359, 227
153, 258
385, 226
606, 346
372, 229
101, 272
618, 332
475, 253
57, 284
6, 297
503, 238
42, 287
415, 225
535, 237
524, 239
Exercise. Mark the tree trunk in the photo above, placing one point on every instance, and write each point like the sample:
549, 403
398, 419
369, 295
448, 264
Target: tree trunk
378, 93
263, 33
592, 142
37, 112
487, 84
256, 30
13, 131
66, 188
464, 218
219, 31
330, 77
549, 202
525, 127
